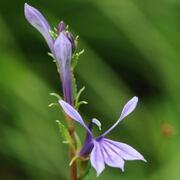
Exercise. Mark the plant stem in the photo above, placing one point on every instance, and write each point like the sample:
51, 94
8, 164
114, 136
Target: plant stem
72, 151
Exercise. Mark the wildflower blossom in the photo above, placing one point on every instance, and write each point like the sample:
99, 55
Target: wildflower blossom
102, 150
61, 46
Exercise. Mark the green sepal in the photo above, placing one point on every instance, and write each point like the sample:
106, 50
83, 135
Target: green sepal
76, 41
51, 55
80, 103
75, 59
53, 34
53, 104
72, 160
56, 95
64, 133
77, 102
74, 85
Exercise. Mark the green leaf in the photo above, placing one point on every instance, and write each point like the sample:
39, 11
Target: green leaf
64, 133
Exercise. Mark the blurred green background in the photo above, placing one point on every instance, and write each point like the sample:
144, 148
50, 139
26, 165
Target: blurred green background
131, 48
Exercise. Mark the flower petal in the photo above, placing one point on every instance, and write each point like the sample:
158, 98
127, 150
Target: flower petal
125, 151
71, 112
111, 157
128, 108
96, 158
37, 20
63, 51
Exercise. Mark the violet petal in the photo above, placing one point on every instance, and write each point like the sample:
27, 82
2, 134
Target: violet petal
96, 158
128, 108
71, 112
111, 157
125, 151
37, 20
63, 51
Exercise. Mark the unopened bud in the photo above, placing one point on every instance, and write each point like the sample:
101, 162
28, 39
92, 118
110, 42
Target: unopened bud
61, 27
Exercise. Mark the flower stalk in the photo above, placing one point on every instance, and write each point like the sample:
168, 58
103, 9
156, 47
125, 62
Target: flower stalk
100, 151
61, 45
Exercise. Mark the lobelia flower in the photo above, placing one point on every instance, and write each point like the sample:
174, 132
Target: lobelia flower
102, 150
60, 47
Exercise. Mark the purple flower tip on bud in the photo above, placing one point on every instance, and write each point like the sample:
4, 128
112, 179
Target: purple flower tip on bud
61, 27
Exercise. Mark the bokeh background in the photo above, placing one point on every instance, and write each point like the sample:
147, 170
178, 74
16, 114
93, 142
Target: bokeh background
132, 47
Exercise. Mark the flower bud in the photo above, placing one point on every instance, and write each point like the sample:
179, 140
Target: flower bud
61, 27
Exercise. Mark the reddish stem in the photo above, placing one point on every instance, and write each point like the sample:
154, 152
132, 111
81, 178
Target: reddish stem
72, 153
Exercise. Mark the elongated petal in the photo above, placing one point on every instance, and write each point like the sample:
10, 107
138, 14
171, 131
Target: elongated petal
111, 157
71, 112
63, 51
125, 151
96, 158
37, 20
128, 108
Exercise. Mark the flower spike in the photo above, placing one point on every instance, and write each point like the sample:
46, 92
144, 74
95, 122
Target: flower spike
61, 46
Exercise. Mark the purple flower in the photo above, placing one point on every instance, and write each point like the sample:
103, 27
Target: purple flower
61, 47
102, 150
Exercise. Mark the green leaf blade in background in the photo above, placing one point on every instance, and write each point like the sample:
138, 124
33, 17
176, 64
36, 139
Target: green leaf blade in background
131, 48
